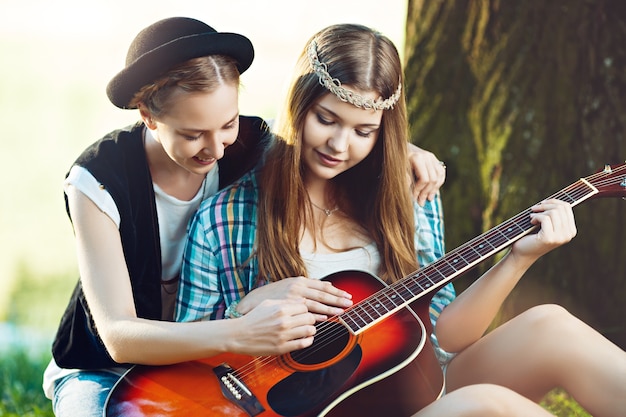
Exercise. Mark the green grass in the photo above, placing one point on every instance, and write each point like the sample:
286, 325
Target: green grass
20, 384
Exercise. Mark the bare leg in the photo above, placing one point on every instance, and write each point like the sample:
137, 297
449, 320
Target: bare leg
543, 348
483, 400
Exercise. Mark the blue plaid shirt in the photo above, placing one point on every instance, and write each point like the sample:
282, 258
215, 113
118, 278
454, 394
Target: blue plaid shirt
219, 267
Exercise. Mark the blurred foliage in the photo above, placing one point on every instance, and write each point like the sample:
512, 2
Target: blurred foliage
521, 99
560, 404
35, 305
38, 301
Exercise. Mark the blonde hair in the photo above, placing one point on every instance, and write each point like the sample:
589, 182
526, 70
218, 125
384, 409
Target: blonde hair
373, 193
203, 74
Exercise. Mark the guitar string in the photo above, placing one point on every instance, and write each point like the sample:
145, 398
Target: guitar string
325, 336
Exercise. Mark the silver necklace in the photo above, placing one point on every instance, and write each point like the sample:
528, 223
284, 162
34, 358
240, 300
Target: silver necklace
326, 211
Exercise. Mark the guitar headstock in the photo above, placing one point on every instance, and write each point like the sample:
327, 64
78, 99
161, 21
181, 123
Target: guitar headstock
610, 182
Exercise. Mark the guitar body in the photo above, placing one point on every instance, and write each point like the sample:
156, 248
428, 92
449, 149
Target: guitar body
387, 369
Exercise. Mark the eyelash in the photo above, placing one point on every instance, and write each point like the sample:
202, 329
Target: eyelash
326, 122
323, 121
192, 138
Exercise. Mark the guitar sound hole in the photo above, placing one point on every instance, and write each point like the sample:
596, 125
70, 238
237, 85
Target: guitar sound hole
302, 392
330, 340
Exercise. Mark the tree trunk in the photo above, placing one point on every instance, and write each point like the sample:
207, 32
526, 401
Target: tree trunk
520, 99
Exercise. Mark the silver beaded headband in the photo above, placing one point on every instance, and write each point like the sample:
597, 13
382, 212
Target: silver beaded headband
334, 86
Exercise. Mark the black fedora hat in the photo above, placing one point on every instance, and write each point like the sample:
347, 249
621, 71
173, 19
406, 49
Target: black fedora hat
167, 43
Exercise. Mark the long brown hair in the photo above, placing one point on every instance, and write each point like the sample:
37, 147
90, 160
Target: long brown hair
374, 192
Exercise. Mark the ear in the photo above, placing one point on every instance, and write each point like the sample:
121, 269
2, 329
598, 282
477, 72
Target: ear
146, 116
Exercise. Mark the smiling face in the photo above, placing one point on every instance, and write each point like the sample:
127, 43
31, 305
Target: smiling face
337, 136
198, 127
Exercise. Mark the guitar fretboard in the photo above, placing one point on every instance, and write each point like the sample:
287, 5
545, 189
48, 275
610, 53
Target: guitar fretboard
399, 294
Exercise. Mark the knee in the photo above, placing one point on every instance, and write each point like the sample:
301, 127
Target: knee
549, 318
484, 400
546, 311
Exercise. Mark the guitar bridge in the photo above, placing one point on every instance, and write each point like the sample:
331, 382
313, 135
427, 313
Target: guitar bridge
236, 391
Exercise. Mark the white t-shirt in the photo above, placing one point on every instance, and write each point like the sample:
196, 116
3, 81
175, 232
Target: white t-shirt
173, 216
320, 265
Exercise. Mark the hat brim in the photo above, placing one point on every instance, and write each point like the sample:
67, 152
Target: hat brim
156, 62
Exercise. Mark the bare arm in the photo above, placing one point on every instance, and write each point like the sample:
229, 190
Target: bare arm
467, 318
272, 328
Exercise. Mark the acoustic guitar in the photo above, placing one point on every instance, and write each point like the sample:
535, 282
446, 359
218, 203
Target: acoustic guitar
375, 359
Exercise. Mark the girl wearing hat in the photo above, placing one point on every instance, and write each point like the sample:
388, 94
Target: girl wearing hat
130, 196
331, 197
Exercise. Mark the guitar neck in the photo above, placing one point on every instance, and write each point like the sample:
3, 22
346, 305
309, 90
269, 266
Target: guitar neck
401, 293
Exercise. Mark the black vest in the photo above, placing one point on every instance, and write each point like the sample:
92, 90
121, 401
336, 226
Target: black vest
118, 161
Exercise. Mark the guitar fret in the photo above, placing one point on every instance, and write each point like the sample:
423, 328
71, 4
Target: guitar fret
402, 291
580, 188
435, 267
463, 256
485, 246
455, 263
480, 255
405, 291
429, 282
347, 318
369, 309
497, 240
389, 299
467, 256
506, 238
378, 306
569, 199
394, 297
512, 230
357, 319
365, 312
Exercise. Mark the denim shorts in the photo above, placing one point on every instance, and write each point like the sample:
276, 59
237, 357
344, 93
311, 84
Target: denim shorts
83, 393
